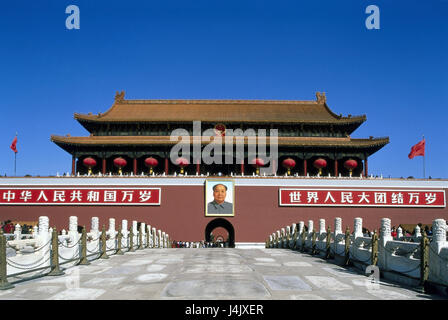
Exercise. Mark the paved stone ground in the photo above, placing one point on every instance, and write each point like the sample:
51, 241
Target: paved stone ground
212, 273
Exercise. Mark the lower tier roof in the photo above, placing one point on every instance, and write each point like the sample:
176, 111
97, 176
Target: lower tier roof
68, 143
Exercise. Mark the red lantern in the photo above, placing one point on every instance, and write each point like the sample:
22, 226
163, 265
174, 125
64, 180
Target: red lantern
182, 163
120, 163
289, 164
257, 163
89, 162
220, 130
319, 164
151, 163
350, 164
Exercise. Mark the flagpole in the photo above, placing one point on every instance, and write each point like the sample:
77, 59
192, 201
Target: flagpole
424, 173
15, 161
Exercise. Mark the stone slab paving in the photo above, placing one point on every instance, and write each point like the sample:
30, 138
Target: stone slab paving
210, 274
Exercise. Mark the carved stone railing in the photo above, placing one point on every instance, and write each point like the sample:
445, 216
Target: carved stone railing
424, 259
45, 251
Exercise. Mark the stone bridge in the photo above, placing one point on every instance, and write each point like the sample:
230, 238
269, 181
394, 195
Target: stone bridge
211, 273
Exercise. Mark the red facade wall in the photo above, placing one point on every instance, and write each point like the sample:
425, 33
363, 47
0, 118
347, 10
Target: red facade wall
257, 214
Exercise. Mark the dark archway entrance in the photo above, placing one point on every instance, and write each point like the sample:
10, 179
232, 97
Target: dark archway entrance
223, 223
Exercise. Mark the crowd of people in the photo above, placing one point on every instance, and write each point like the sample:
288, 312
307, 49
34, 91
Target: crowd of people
200, 244
8, 227
407, 234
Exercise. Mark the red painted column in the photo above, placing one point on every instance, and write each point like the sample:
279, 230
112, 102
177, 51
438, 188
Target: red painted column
104, 166
198, 167
73, 165
365, 167
273, 167
335, 167
242, 167
166, 166
304, 167
135, 166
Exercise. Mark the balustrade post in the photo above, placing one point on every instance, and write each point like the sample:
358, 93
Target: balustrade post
147, 236
83, 259
303, 240
300, 227
131, 240
103, 244
4, 284
293, 236
153, 237
119, 242
347, 247
313, 243
55, 270
140, 238
374, 248
424, 261
159, 236
328, 243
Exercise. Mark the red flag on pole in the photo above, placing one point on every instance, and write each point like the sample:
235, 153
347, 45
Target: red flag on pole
417, 150
14, 144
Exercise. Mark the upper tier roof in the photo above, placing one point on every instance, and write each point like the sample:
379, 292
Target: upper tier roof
278, 111
346, 142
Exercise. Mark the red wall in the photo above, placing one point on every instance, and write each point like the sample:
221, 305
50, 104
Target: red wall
257, 214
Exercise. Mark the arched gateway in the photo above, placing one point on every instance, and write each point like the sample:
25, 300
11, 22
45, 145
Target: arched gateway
311, 168
223, 223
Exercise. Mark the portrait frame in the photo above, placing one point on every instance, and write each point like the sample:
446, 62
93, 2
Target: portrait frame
209, 198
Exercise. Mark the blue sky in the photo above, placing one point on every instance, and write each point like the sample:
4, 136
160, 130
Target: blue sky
198, 49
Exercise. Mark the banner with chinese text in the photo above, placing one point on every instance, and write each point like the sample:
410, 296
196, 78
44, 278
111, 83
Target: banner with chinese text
362, 197
80, 196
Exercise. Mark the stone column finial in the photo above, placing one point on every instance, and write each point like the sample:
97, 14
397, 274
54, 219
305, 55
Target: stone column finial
385, 229
337, 226
17, 232
73, 224
358, 227
124, 228
279, 239
399, 233
322, 226
44, 223
310, 226
154, 237
159, 236
418, 233
439, 234
95, 224
112, 225
301, 226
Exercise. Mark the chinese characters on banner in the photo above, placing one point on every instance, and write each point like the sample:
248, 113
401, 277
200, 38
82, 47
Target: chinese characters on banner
79, 196
362, 198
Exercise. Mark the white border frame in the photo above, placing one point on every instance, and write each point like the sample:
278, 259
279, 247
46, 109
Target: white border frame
82, 204
358, 205
217, 180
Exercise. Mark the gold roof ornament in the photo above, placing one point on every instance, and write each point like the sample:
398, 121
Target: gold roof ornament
321, 98
119, 96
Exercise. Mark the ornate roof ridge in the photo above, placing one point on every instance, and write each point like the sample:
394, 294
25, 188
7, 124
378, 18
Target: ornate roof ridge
220, 101
165, 139
124, 108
